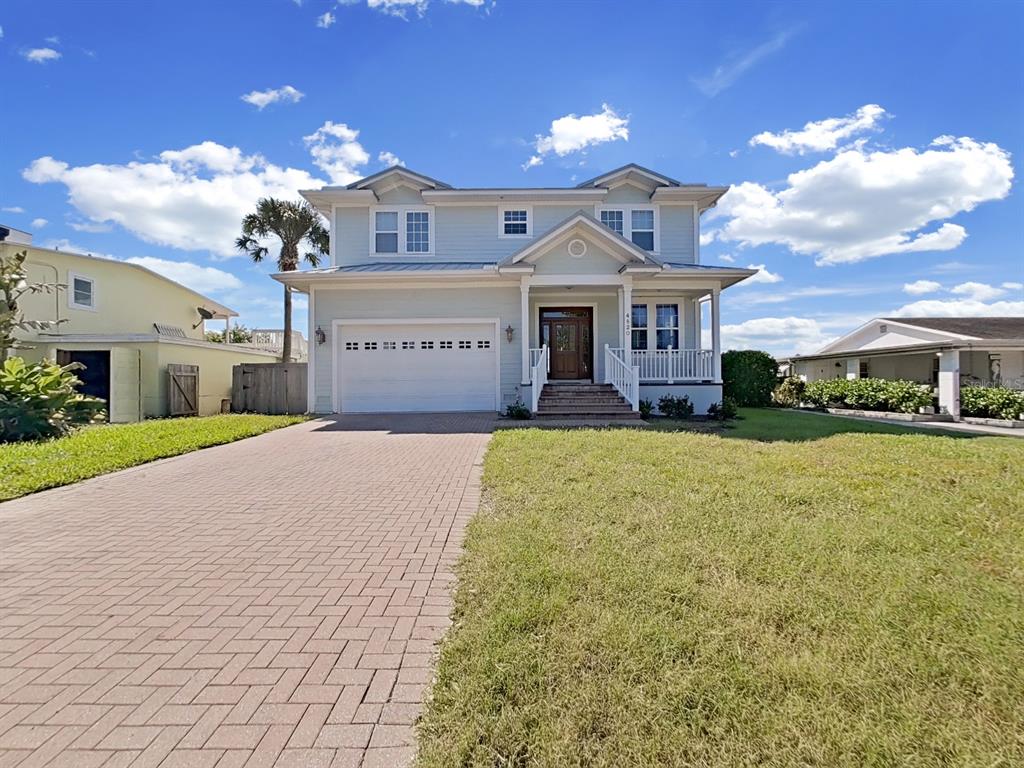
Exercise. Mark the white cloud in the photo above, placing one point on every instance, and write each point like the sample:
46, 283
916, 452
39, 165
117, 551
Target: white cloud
728, 259
192, 198
399, 8
63, 244
12, 209
89, 226
708, 236
53, 40
862, 204
762, 276
390, 159
810, 292
1014, 286
918, 287
734, 153
194, 276
39, 223
41, 55
777, 335
728, 72
978, 291
574, 133
261, 99
960, 308
336, 150
823, 134
325, 20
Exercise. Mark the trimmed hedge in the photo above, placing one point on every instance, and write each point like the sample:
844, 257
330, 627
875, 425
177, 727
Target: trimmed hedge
869, 394
748, 377
991, 402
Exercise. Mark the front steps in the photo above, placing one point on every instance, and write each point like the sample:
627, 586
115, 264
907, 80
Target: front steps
584, 402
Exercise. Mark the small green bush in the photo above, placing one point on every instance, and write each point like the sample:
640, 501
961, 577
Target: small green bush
646, 409
749, 376
895, 396
41, 400
675, 407
991, 402
518, 410
723, 411
790, 393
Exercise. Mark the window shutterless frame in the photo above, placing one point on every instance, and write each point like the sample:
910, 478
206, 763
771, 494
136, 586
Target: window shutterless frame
81, 292
402, 230
640, 224
515, 221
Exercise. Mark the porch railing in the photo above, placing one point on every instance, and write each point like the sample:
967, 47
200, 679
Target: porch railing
672, 365
540, 364
624, 377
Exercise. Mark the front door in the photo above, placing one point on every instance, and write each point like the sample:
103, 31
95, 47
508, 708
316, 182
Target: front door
568, 332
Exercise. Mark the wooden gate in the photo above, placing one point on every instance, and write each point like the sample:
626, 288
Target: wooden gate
269, 388
182, 390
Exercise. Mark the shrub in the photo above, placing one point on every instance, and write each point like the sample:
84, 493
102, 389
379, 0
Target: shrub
675, 407
518, 410
790, 393
646, 409
991, 402
40, 400
869, 394
724, 410
749, 376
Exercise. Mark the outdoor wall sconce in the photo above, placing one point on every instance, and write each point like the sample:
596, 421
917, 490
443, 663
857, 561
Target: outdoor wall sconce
319, 335
510, 333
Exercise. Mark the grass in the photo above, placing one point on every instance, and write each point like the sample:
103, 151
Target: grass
799, 590
29, 467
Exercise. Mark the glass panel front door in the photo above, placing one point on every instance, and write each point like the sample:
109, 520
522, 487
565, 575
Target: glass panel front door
568, 334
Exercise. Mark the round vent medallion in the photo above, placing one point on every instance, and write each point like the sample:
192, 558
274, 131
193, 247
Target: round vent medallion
577, 248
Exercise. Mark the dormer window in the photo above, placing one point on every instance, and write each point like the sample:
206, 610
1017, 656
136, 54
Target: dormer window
515, 221
402, 231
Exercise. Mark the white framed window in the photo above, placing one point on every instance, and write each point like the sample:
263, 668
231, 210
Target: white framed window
613, 219
636, 223
639, 325
666, 318
385, 238
515, 221
81, 292
401, 230
641, 228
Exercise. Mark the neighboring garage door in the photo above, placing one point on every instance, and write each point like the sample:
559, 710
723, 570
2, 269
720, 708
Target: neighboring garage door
417, 367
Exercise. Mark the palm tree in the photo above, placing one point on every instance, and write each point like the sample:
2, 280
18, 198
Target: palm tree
291, 223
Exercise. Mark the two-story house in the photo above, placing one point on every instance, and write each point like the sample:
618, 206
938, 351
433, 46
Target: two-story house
442, 299
129, 327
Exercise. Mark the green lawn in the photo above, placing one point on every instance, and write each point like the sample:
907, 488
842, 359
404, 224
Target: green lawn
28, 467
798, 590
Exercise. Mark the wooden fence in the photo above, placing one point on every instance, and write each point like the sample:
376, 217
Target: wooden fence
269, 388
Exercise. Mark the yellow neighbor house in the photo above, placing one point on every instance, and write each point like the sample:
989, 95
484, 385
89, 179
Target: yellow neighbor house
125, 324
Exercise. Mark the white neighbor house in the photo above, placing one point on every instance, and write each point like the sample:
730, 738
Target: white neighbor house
945, 352
445, 299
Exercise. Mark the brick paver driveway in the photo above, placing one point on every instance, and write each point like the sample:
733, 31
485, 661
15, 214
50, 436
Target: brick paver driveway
270, 602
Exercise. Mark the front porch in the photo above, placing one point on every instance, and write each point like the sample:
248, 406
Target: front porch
644, 341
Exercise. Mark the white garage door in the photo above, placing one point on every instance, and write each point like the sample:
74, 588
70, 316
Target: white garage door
417, 367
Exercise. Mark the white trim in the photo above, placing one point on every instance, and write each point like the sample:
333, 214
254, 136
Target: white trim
311, 353
72, 304
627, 221
501, 221
626, 171
403, 245
622, 250
567, 299
332, 239
696, 235
835, 346
57, 339
548, 280
336, 352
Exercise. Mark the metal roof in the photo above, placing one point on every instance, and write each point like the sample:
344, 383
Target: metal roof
419, 266
979, 327
710, 267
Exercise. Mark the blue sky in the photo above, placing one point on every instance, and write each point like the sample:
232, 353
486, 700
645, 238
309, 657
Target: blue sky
131, 137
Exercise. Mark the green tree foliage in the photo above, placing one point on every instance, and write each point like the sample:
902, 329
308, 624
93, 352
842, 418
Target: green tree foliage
748, 377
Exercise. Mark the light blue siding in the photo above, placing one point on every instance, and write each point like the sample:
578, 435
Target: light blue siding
401, 196
351, 235
677, 233
626, 193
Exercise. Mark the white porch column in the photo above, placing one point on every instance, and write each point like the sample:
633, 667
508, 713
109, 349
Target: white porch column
524, 328
853, 368
627, 321
949, 383
716, 334
622, 324
697, 341
227, 329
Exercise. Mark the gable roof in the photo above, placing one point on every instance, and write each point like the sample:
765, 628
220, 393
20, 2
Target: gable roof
398, 170
658, 178
582, 220
975, 327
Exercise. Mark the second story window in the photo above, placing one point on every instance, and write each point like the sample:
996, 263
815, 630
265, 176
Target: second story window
514, 221
613, 220
386, 233
81, 292
642, 228
417, 232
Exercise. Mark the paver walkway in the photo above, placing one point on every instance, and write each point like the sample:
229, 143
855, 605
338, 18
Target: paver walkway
270, 602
